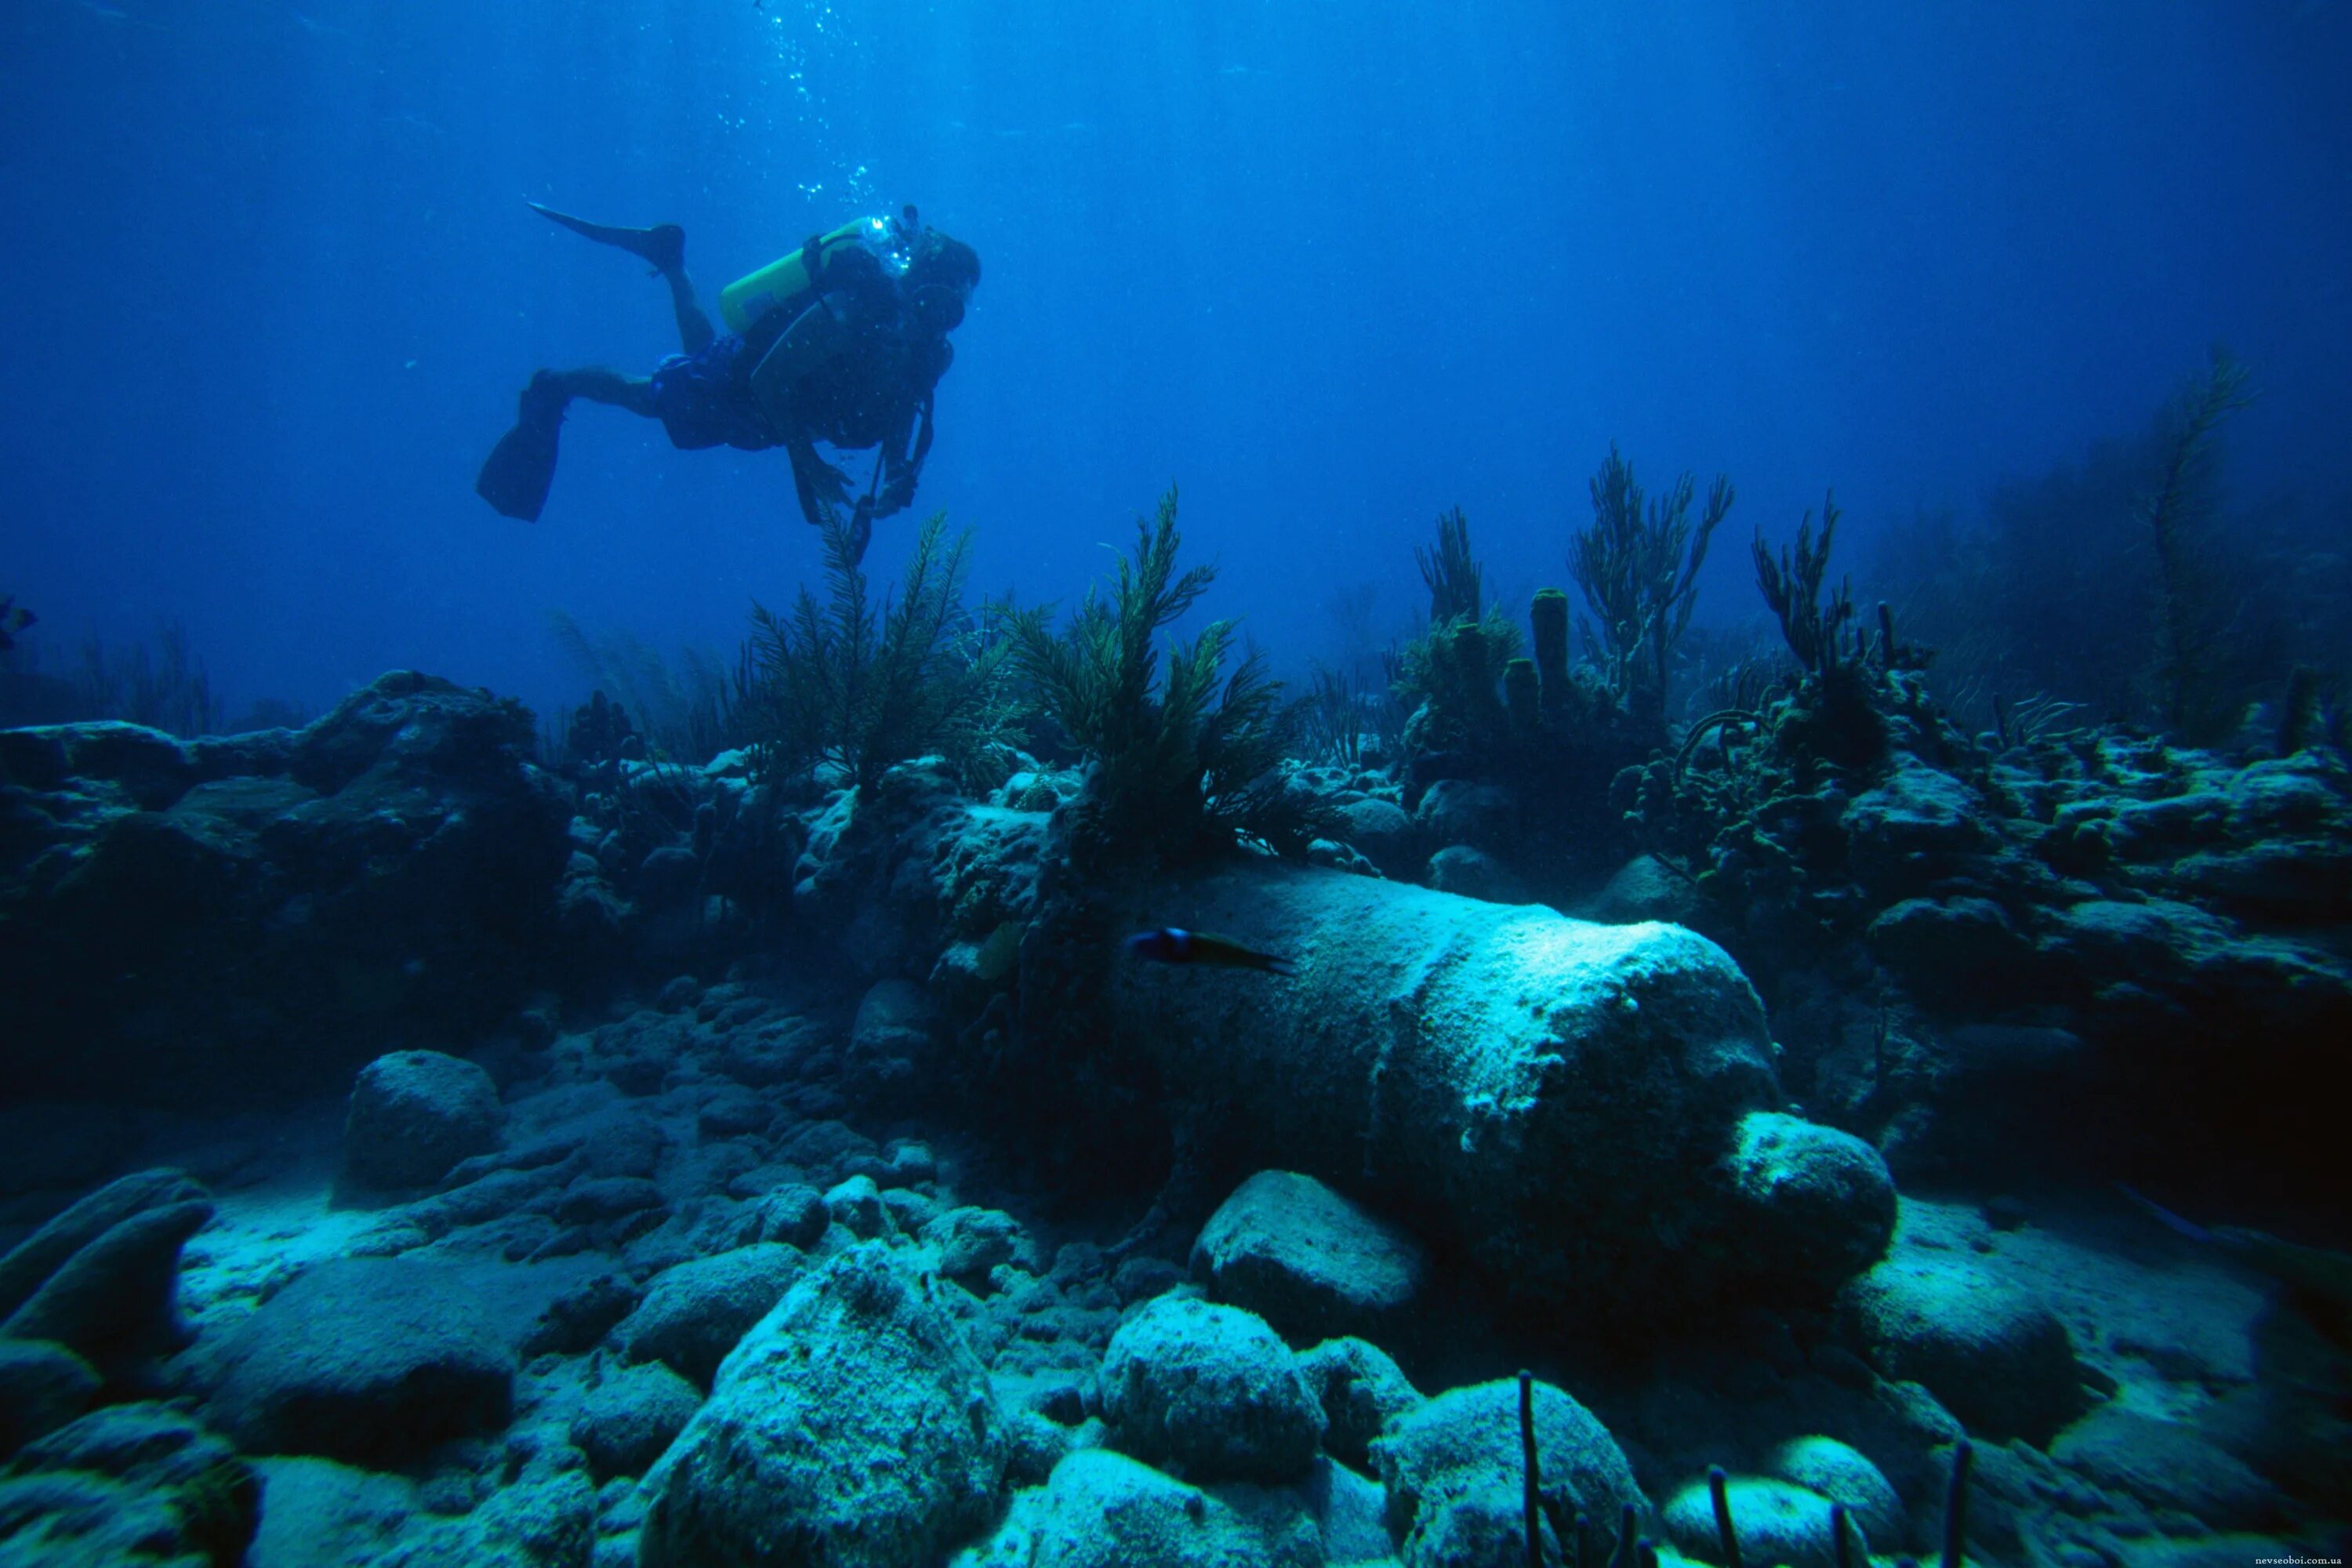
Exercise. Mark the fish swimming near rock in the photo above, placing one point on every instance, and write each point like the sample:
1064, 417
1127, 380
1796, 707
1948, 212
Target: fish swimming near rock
1170, 945
12, 621
2318, 1281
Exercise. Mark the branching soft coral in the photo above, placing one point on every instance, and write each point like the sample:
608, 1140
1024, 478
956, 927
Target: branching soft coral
1186, 758
866, 688
1638, 566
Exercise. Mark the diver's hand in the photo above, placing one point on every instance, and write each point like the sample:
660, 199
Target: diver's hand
897, 496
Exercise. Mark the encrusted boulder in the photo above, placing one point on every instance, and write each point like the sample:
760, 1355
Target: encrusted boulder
626, 1422
1102, 1510
1534, 1093
43, 1385
881, 1452
1824, 1195
1451, 1466
1211, 1392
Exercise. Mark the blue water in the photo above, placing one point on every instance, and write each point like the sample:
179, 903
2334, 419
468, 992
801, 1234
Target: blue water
270, 286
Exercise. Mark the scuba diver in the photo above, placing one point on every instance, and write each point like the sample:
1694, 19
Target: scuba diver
842, 341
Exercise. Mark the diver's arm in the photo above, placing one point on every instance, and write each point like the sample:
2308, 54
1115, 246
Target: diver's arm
820, 485
901, 465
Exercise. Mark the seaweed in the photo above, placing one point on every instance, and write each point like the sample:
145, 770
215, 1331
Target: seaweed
1455, 579
1187, 758
2191, 622
1638, 567
866, 687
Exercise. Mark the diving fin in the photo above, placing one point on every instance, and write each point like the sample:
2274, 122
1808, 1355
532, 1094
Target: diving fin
516, 475
662, 247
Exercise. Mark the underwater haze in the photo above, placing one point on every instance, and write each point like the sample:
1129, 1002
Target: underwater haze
1251, 783
273, 287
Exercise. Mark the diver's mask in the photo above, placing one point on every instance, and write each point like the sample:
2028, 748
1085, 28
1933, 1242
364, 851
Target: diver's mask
937, 308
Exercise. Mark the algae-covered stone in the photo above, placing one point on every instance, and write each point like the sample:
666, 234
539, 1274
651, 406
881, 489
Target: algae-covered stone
853, 1427
1211, 1391
2167, 1465
1307, 1259
116, 1300
693, 1314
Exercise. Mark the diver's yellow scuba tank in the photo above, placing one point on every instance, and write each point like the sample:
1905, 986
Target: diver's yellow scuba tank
748, 299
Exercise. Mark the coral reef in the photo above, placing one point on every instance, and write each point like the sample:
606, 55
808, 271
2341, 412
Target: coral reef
781, 1156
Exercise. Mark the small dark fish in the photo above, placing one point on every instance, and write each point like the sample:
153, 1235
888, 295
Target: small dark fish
2318, 1281
1170, 945
12, 621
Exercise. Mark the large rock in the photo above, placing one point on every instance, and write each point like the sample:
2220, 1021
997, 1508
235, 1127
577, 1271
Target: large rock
290, 901
370, 1360
1360, 1390
1540, 1093
1995, 1355
1211, 1392
625, 1422
893, 1036
693, 1314
1306, 1260
1383, 832
853, 1427
1452, 1468
414, 1114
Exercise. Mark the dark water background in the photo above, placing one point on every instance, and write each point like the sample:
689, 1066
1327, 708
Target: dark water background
270, 287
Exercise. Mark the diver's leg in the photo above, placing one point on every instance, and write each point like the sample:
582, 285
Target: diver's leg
695, 333
663, 247
598, 385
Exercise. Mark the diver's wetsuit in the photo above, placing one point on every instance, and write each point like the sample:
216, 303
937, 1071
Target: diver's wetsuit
876, 391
